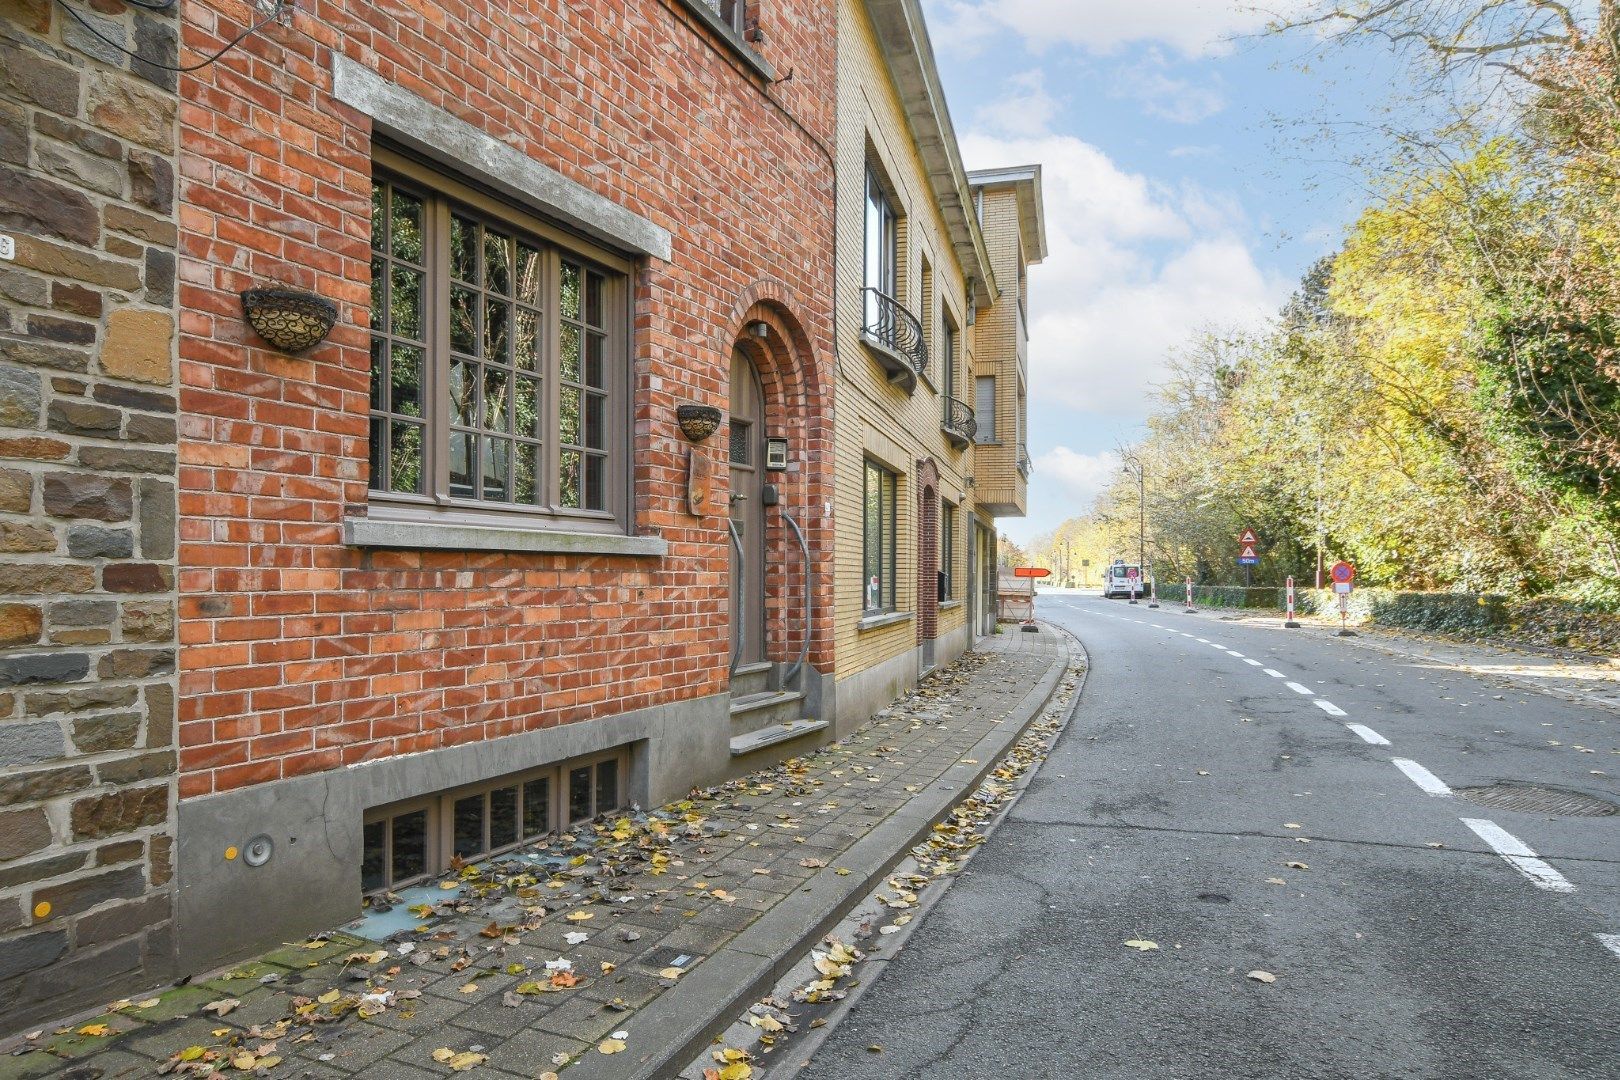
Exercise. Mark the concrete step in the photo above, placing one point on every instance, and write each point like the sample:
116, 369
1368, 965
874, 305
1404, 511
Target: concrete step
760, 738
752, 679
764, 709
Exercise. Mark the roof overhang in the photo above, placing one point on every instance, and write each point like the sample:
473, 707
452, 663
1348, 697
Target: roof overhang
1025, 180
903, 36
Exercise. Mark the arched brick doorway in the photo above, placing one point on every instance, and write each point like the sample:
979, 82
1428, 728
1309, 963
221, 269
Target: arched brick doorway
927, 559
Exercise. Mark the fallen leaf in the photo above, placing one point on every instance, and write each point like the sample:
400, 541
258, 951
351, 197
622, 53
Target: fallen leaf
1292, 825
1296, 866
469, 988
610, 1046
221, 1007
1275, 881
95, 1030
576, 937
329, 997
149, 1003
466, 1060
580, 916
670, 973
1142, 946
1262, 976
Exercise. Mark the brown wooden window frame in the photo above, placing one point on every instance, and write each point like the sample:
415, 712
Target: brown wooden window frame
947, 550
440, 845
880, 547
580, 395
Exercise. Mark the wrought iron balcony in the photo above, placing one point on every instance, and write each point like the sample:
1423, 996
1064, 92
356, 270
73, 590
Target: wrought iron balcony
895, 337
958, 423
1025, 466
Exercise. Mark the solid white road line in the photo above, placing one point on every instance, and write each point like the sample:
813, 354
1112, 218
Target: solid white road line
1368, 734
1610, 942
1330, 708
1518, 853
1422, 777
1298, 689
1275, 674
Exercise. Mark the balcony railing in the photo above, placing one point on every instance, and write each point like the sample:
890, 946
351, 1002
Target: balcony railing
895, 336
1025, 466
958, 423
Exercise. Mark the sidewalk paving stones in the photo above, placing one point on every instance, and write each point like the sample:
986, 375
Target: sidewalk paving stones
660, 925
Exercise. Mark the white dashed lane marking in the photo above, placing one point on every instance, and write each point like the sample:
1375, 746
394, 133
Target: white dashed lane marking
1330, 708
1368, 734
1298, 689
1275, 674
1518, 853
1422, 777
1610, 942
1251, 663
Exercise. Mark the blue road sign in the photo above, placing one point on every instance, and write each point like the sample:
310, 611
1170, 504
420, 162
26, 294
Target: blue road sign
1248, 560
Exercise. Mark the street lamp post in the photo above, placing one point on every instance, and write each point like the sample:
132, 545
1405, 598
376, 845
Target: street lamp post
1134, 464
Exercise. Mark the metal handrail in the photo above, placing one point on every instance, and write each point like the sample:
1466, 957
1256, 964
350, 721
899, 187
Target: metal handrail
740, 612
893, 327
809, 601
959, 419
1025, 466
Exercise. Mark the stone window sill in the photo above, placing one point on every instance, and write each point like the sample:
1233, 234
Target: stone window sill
455, 536
711, 18
946, 605
888, 618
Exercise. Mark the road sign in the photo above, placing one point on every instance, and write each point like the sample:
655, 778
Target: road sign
1030, 571
1248, 552
1248, 536
1248, 560
1343, 572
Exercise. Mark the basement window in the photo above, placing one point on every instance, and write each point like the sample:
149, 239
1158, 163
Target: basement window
410, 841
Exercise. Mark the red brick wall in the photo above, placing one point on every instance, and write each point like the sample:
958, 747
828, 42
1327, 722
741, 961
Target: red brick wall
301, 654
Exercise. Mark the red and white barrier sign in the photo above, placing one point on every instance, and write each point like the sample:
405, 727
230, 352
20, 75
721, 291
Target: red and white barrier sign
1290, 599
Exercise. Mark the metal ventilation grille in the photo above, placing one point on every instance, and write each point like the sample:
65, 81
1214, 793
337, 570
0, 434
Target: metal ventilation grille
741, 442
1529, 799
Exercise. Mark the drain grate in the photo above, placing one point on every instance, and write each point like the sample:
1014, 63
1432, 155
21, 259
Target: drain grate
1531, 799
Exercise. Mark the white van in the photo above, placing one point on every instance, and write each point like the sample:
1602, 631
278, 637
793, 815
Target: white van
1117, 581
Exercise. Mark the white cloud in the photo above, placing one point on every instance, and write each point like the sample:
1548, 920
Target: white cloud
1134, 269
1025, 108
1074, 477
1166, 97
1190, 27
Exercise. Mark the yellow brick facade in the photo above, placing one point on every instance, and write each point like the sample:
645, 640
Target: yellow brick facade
877, 420
874, 419
1000, 353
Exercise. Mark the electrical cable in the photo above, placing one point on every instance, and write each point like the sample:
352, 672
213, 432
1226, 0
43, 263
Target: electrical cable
229, 45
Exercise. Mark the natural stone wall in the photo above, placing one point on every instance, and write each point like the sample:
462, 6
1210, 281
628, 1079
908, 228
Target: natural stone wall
87, 505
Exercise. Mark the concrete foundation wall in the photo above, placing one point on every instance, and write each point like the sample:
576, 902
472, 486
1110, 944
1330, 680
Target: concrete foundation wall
230, 909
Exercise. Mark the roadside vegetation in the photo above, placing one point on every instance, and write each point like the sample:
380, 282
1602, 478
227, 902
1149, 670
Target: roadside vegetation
1439, 402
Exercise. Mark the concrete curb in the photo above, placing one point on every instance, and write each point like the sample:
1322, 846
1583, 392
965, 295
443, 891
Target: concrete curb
677, 1026
873, 969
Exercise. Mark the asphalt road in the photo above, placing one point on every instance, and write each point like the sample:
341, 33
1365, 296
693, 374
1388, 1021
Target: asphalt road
1191, 774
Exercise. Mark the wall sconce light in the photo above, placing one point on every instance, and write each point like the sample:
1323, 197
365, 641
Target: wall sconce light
289, 319
760, 329
697, 422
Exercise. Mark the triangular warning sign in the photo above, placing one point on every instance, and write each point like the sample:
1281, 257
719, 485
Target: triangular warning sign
1248, 537
1248, 551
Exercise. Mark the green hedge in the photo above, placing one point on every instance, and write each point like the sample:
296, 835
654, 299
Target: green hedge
1546, 620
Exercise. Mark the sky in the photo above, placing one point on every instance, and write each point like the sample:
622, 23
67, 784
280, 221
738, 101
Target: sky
1182, 191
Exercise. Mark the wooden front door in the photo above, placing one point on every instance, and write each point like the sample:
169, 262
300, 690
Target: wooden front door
747, 512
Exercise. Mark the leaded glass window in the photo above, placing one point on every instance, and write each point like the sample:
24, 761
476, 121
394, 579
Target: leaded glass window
499, 358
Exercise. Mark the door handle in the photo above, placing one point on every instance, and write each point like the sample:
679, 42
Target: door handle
739, 498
